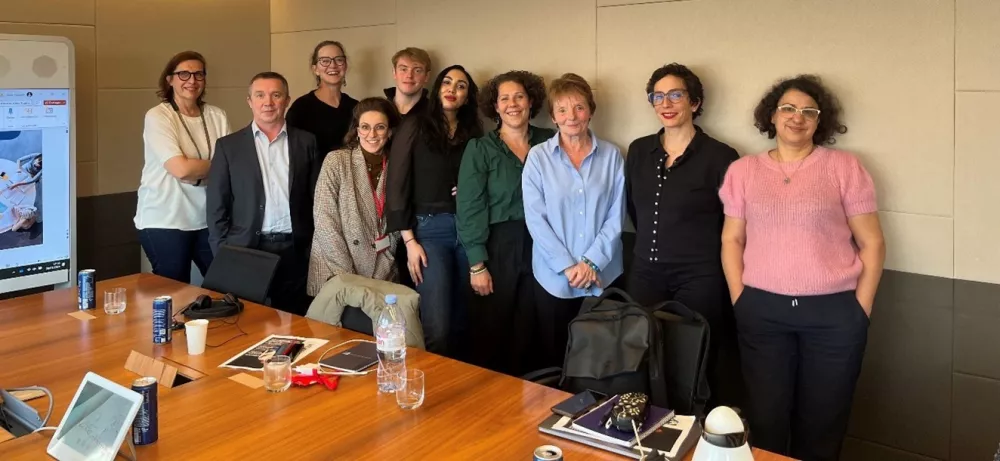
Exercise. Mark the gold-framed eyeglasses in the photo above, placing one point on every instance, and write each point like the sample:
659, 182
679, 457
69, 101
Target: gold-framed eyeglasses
326, 61
380, 129
657, 97
185, 75
808, 113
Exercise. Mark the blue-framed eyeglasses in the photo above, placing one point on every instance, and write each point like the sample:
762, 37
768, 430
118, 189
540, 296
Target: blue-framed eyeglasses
657, 97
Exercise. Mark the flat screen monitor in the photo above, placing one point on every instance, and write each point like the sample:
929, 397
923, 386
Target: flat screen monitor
35, 195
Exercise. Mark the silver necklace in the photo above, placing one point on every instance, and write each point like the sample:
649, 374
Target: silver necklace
788, 177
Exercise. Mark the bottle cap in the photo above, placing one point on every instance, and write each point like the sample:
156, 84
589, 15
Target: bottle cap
390, 299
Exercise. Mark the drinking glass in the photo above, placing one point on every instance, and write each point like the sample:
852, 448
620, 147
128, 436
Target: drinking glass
278, 373
410, 393
114, 301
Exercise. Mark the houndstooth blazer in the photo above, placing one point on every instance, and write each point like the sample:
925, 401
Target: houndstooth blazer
347, 223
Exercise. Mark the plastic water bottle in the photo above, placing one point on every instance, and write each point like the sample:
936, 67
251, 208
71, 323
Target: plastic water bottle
390, 340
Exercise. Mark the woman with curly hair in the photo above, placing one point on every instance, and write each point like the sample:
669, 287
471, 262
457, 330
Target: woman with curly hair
491, 222
420, 204
802, 250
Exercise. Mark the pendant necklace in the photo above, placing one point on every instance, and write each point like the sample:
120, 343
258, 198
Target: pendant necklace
788, 177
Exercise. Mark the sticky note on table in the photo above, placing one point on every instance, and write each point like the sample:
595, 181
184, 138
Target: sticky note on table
82, 315
252, 382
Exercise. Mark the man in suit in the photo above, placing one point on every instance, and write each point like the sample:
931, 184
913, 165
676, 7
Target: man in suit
260, 190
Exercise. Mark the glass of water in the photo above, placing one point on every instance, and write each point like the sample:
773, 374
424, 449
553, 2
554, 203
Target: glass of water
114, 301
410, 393
278, 373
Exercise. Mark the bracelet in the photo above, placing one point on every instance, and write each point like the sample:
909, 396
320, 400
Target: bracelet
478, 271
590, 263
407, 242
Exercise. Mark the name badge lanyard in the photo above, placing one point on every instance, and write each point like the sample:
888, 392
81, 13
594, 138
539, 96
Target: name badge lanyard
378, 193
204, 126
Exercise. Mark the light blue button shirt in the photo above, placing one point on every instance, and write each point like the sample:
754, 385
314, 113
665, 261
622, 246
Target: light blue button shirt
573, 213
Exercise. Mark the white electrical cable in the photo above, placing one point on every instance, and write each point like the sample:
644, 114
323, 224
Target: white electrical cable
341, 372
642, 451
48, 414
46, 428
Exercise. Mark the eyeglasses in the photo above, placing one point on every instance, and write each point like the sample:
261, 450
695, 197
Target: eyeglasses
657, 97
380, 129
808, 113
185, 75
326, 61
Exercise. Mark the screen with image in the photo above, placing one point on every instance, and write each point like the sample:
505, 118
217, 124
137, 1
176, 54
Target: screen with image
93, 424
35, 198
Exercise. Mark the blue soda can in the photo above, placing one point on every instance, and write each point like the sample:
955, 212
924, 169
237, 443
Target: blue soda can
163, 315
86, 286
145, 427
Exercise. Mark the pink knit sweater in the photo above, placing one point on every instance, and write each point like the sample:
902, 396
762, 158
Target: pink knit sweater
797, 239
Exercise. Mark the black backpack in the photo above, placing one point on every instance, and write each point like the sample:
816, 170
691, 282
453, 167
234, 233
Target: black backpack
686, 337
615, 347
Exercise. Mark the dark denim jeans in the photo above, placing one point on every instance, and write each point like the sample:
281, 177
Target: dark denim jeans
171, 252
444, 293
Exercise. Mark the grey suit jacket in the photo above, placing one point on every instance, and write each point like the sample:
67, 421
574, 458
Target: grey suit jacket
235, 190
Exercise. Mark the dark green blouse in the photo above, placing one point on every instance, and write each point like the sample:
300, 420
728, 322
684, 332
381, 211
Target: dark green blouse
489, 189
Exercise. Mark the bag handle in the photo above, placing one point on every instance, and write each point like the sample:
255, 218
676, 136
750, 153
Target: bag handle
679, 309
607, 295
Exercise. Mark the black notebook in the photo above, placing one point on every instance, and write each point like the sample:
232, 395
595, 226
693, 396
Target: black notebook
355, 359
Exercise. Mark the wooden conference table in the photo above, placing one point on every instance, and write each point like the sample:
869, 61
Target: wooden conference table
468, 412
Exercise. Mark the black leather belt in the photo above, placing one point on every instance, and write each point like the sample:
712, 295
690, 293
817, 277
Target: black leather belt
275, 238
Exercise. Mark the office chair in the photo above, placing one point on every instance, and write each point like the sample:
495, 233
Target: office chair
244, 272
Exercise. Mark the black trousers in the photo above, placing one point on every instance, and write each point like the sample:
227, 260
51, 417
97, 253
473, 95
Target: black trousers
554, 315
171, 252
288, 287
503, 334
702, 288
801, 359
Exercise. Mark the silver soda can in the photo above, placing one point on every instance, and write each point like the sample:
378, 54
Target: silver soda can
86, 285
163, 319
146, 426
548, 453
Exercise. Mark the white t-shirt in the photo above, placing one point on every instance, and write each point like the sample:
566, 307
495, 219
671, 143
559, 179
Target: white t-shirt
164, 201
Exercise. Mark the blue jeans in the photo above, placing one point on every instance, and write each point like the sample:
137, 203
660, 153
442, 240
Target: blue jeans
171, 252
444, 293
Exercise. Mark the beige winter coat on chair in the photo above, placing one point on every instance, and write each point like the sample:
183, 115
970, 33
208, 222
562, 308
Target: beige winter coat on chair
368, 295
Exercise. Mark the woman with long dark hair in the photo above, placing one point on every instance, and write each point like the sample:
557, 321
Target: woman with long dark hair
420, 203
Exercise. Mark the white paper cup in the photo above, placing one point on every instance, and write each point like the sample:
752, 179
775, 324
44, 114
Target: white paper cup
196, 332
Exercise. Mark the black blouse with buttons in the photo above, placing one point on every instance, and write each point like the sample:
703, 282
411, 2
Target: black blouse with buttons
676, 211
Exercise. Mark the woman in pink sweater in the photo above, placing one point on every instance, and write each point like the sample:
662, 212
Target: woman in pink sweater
802, 250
